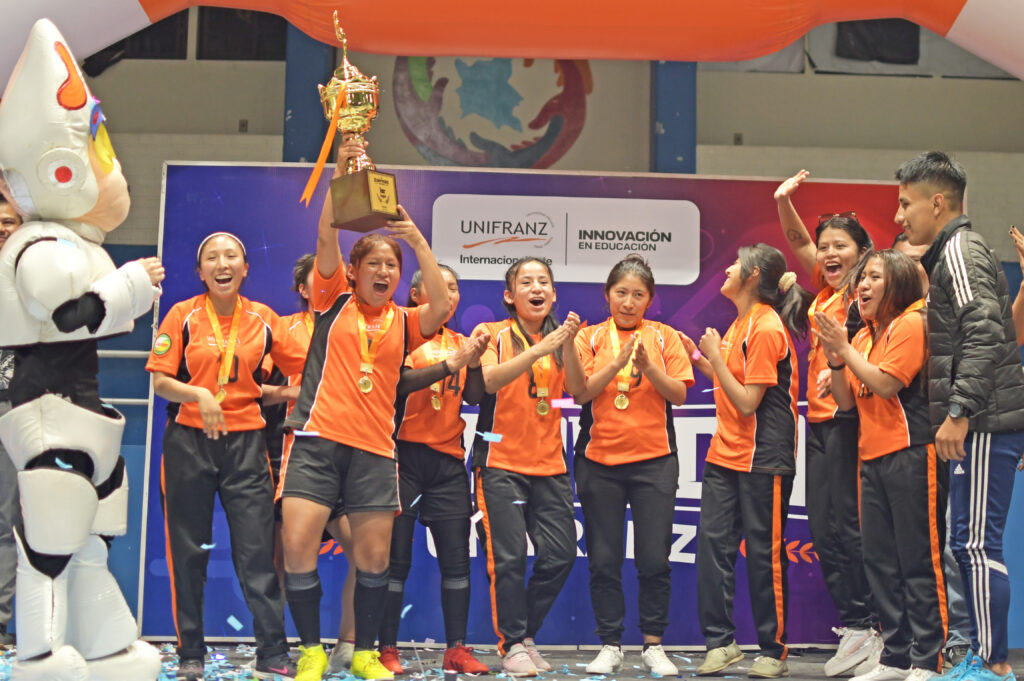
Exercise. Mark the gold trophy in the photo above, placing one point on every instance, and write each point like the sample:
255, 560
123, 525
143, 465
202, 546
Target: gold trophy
363, 197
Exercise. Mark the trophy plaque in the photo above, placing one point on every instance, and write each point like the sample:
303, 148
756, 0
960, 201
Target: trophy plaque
363, 197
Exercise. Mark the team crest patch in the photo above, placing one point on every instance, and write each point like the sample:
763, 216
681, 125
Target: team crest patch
162, 344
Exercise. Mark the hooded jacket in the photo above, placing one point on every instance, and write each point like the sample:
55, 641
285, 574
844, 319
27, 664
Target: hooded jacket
973, 356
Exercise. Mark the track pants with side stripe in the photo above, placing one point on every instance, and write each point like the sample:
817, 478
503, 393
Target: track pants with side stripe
980, 489
902, 515
750, 506
194, 469
514, 506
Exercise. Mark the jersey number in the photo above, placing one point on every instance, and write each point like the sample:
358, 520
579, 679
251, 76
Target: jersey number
452, 383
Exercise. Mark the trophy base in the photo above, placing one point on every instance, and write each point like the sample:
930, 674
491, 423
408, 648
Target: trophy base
364, 201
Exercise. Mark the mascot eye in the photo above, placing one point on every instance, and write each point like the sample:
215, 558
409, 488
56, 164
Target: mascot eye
62, 169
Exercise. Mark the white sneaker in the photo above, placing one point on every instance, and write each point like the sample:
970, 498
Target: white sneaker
883, 672
539, 662
608, 661
873, 659
341, 657
919, 674
653, 660
855, 646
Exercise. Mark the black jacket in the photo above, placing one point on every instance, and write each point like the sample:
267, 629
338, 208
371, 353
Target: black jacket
973, 346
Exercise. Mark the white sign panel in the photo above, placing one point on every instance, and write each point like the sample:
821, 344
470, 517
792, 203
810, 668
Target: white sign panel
481, 235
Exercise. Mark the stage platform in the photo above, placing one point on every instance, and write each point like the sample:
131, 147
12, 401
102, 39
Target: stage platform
233, 663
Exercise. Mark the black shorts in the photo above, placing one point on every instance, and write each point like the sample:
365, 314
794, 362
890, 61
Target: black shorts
342, 478
432, 484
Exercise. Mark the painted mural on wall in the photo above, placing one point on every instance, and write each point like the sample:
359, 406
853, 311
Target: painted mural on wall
506, 113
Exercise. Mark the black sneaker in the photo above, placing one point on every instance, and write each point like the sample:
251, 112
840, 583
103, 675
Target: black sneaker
954, 655
6, 638
275, 666
190, 670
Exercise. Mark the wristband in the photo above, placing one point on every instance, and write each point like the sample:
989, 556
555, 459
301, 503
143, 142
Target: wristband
835, 367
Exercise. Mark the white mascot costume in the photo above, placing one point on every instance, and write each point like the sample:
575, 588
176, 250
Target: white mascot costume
59, 293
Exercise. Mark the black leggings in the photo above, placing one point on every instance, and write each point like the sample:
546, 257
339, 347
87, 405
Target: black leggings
451, 538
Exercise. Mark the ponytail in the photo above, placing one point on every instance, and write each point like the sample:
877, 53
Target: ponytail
777, 286
549, 324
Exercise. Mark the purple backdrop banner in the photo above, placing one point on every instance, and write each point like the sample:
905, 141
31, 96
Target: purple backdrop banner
260, 204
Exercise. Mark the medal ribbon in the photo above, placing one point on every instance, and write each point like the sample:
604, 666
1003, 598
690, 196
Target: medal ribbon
734, 331
541, 368
821, 308
307, 319
368, 347
227, 353
435, 388
622, 378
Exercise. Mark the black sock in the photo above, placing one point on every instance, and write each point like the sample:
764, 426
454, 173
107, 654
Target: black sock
303, 593
392, 616
368, 604
455, 606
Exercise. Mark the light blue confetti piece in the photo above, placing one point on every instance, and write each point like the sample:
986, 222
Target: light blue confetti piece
687, 660
655, 675
63, 465
207, 547
406, 610
306, 433
709, 390
415, 501
520, 502
489, 437
581, 664
235, 624
636, 666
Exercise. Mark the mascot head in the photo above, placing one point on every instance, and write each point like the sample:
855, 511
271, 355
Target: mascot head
56, 160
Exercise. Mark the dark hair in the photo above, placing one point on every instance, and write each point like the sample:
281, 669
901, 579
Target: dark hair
417, 280
366, 244
902, 283
791, 304
936, 168
549, 324
210, 237
303, 266
902, 236
632, 265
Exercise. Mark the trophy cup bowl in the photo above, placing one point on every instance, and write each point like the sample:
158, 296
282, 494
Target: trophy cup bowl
363, 198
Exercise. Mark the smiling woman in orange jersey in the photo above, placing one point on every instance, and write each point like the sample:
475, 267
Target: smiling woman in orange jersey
343, 460
206, 361
750, 465
522, 480
881, 372
839, 245
432, 478
632, 371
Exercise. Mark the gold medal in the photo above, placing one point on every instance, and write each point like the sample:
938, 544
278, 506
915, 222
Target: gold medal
621, 401
227, 350
220, 396
364, 384
435, 402
543, 408
368, 347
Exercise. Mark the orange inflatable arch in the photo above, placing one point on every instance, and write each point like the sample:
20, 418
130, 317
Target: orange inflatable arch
682, 30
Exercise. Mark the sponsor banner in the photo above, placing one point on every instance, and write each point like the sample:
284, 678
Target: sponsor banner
481, 235
708, 219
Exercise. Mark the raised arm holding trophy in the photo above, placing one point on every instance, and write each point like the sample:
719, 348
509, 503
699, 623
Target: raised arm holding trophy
363, 198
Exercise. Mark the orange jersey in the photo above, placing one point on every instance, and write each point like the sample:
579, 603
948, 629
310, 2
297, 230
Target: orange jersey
186, 349
438, 429
531, 443
759, 351
644, 430
830, 302
299, 326
901, 421
330, 403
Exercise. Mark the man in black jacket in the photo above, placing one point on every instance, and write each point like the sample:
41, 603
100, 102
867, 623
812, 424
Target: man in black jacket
975, 394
